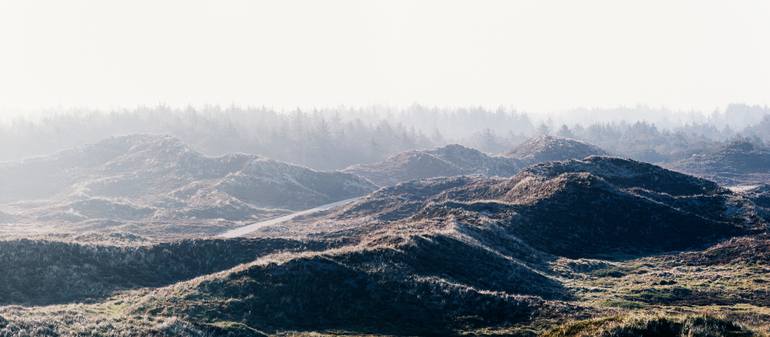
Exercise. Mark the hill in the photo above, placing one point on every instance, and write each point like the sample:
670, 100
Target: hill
550, 148
149, 168
144, 178
553, 207
453, 254
450, 160
597, 244
737, 162
46, 272
423, 282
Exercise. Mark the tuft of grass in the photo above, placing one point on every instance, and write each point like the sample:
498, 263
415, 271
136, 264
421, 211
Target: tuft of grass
610, 271
622, 304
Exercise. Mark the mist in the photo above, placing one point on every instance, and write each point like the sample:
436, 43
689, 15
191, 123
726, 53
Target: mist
330, 139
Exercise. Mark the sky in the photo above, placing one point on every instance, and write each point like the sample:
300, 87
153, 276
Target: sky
533, 55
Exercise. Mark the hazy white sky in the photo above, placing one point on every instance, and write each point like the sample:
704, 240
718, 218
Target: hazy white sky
534, 55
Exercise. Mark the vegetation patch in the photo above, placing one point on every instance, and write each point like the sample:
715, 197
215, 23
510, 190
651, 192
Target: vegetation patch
652, 326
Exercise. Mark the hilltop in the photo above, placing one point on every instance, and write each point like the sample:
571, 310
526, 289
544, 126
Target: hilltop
450, 160
551, 148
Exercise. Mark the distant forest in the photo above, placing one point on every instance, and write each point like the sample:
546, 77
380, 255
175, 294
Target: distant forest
335, 138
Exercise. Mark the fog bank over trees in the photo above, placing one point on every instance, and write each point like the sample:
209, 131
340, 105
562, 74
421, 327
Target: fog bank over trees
336, 138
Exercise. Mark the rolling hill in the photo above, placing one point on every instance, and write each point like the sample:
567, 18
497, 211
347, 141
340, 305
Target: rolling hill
49, 272
450, 160
560, 248
158, 179
553, 207
737, 162
550, 148
449, 254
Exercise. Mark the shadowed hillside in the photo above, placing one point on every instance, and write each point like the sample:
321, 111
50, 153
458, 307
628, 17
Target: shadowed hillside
740, 161
554, 207
423, 283
45, 272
